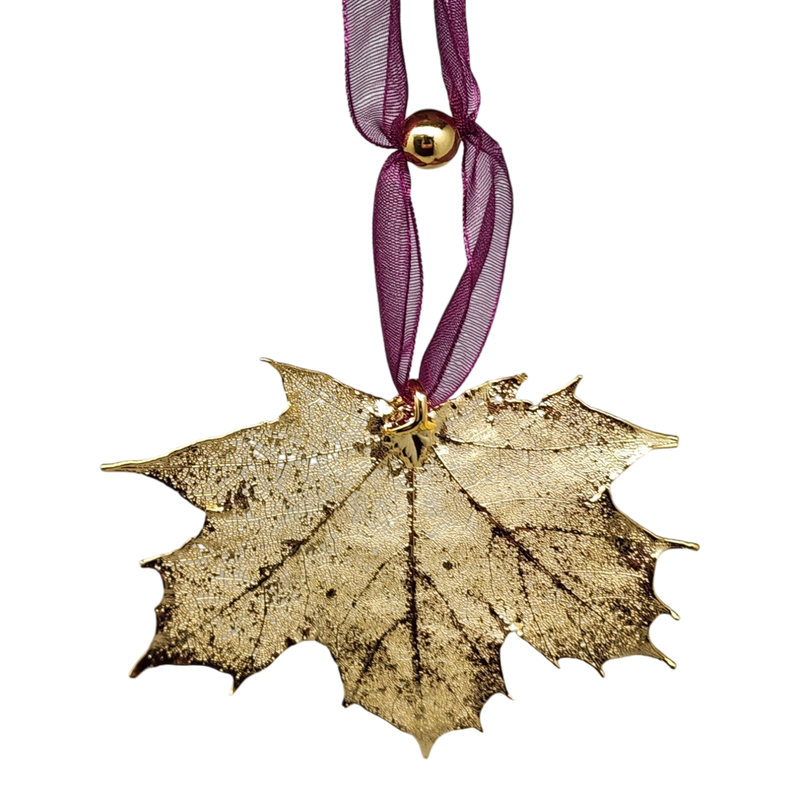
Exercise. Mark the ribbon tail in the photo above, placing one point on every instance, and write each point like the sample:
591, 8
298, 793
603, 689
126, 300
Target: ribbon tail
398, 267
375, 76
462, 89
465, 324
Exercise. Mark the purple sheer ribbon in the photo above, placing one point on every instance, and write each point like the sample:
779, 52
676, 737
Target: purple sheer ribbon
377, 89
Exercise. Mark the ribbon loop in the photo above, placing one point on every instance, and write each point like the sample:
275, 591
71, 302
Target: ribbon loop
377, 89
398, 268
465, 325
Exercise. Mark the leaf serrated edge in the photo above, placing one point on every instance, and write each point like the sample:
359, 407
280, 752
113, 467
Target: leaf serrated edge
272, 363
115, 466
577, 380
670, 544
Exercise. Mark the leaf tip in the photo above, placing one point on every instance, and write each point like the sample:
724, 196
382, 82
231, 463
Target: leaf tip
523, 376
571, 386
673, 615
651, 650
137, 668
676, 544
425, 745
344, 705
670, 662
269, 361
273, 363
113, 467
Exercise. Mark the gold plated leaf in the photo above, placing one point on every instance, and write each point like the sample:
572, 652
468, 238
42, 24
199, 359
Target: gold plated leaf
409, 542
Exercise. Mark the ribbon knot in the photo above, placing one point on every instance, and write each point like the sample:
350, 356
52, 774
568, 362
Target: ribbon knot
377, 91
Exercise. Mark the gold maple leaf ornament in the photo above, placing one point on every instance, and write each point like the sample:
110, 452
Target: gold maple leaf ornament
410, 542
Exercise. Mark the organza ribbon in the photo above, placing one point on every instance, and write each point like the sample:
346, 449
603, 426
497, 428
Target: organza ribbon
377, 90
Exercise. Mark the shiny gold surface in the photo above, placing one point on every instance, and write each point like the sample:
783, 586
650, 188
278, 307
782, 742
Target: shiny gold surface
411, 562
411, 440
430, 138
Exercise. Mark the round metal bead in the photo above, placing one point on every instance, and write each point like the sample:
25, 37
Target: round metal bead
430, 138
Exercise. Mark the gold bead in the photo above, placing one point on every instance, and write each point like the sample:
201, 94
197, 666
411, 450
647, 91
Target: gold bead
430, 138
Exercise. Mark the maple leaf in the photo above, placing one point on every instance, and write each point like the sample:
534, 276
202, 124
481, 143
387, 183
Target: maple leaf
410, 544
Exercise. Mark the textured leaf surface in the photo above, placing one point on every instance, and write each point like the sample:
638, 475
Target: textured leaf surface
411, 555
